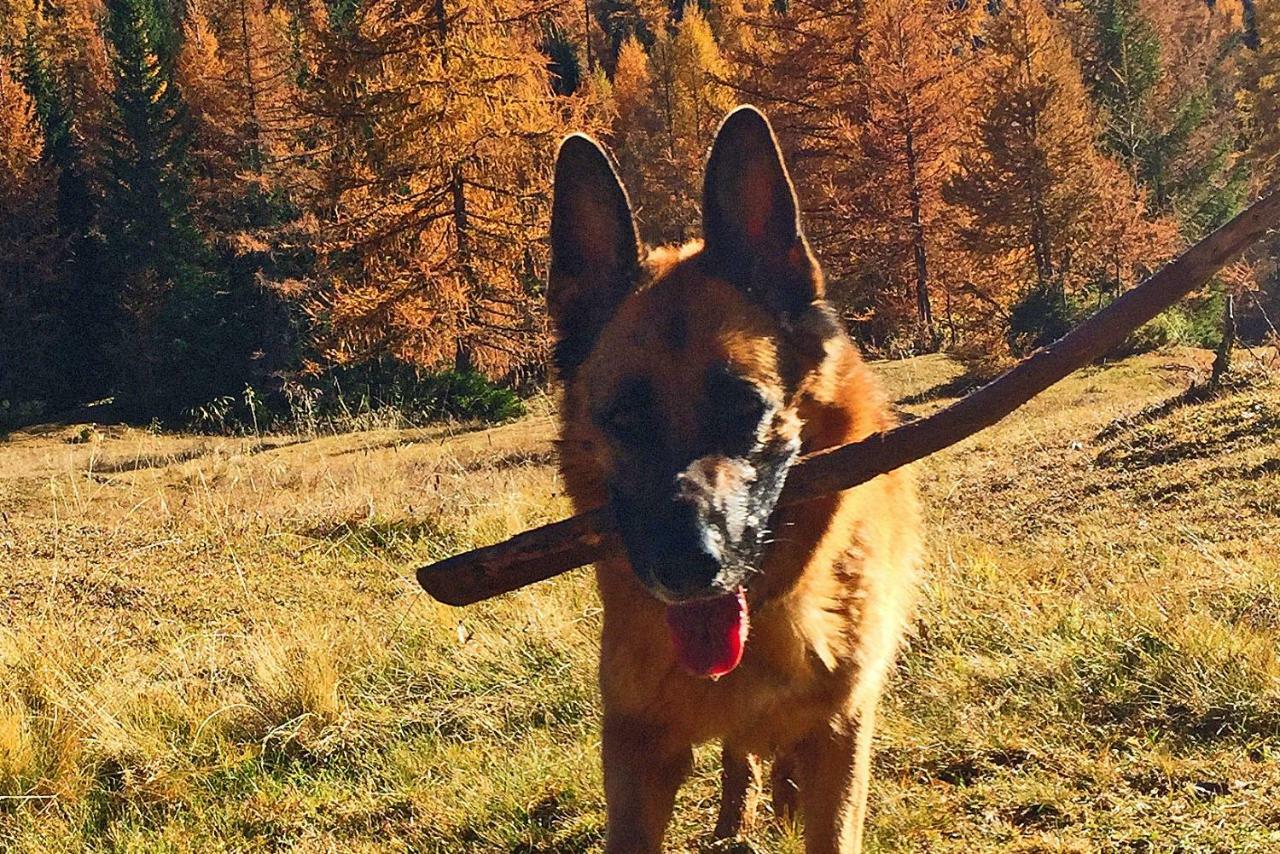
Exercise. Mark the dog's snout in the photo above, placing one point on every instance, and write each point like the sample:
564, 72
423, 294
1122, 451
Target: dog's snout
719, 490
714, 475
694, 533
692, 554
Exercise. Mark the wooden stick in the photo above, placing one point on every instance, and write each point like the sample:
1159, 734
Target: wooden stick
552, 549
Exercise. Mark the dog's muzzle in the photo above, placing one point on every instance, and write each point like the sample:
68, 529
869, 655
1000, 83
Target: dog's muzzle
704, 534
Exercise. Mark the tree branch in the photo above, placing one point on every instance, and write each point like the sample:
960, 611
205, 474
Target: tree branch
552, 549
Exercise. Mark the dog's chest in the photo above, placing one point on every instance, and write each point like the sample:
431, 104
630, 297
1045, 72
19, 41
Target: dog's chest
760, 710
787, 683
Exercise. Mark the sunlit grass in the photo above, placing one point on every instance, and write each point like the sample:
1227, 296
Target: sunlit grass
216, 644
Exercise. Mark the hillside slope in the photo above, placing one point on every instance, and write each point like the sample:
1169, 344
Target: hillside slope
212, 643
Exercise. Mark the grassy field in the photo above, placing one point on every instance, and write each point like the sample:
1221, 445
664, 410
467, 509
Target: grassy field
217, 644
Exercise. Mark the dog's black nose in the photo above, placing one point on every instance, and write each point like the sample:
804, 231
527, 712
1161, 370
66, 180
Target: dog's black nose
673, 551
689, 572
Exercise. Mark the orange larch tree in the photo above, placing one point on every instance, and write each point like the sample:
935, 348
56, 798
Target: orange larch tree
28, 248
1030, 171
803, 68
203, 75
687, 100
1260, 96
872, 101
239, 71
438, 132
917, 73
633, 131
1031, 184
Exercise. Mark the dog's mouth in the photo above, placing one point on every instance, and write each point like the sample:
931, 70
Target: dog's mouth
710, 634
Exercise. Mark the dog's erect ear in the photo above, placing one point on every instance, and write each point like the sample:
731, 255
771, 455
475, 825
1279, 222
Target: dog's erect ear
750, 218
595, 255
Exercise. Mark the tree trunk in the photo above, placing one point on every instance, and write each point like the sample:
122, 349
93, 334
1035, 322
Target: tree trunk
924, 310
442, 31
253, 123
462, 356
586, 35
462, 360
1222, 359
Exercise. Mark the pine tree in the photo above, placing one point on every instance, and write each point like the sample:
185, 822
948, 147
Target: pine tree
69, 37
61, 149
619, 20
1123, 71
148, 159
171, 354
1259, 100
234, 180
203, 75
65, 70
563, 63
872, 100
253, 103
1156, 71
83, 307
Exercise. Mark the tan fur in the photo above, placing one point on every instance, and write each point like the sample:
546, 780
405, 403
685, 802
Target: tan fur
829, 609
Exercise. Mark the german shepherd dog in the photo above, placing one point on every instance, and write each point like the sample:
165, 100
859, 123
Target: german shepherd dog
694, 377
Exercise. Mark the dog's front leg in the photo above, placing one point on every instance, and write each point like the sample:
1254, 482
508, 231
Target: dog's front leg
834, 767
740, 780
643, 767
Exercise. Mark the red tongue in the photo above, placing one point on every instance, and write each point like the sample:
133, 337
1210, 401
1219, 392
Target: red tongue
709, 634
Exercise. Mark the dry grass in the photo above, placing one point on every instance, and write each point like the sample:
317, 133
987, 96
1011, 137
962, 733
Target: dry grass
217, 645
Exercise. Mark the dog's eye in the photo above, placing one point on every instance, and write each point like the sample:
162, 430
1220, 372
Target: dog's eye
629, 417
736, 409
628, 425
741, 402
748, 408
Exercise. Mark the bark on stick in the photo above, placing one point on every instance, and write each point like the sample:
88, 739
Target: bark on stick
552, 549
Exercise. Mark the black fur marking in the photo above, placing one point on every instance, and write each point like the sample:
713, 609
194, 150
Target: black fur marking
631, 417
675, 330
579, 328
570, 351
733, 413
805, 338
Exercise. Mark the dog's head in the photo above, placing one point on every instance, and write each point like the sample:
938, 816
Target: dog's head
681, 366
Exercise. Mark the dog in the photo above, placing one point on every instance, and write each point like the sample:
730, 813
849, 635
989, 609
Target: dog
693, 378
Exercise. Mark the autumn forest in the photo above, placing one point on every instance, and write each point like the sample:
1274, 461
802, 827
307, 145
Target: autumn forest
271, 203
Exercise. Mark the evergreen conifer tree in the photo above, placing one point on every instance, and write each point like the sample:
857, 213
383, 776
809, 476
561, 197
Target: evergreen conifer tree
179, 345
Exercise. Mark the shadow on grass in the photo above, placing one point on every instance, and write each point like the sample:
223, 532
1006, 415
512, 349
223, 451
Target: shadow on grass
515, 459
552, 825
1194, 394
1242, 412
362, 536
141, 462
956, 767
946, 390
147, 461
